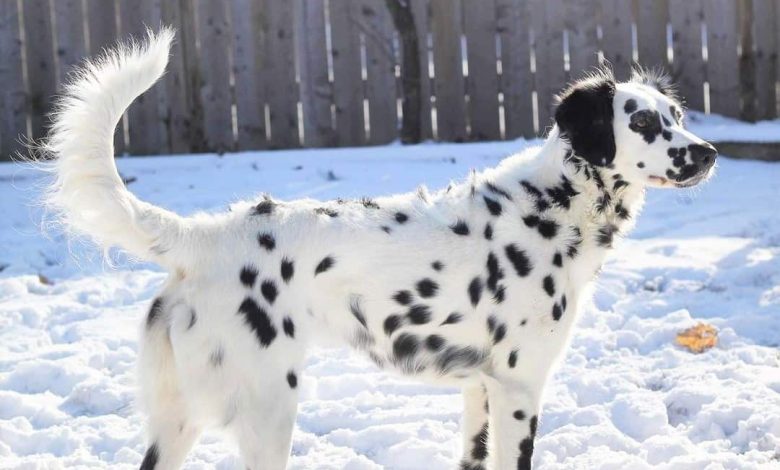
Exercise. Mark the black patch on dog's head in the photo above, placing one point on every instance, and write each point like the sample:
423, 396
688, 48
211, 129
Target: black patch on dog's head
584, 118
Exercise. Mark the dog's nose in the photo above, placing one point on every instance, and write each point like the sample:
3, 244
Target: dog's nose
703, 154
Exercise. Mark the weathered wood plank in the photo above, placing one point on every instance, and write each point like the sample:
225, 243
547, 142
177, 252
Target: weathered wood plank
248, 50
421, 13
446, 21
381, 93
581, 22
765, 38
516, 78
13, 118
316, 90
550, 77
70, 36
480, 29
347, 77
41, 65
651, 19
145, 118
281, 89
722, 64
688, 63
184, 114
616, 17
214, 34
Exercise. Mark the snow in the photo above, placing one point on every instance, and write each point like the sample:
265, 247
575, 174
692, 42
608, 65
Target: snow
624, 397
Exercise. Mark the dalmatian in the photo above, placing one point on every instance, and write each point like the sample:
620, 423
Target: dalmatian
476, 285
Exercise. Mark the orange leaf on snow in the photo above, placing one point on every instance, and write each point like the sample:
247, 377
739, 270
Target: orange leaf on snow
698, 338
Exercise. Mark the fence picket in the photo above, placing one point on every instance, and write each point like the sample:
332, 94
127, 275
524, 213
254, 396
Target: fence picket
446, 20
279, 70
582, 26
421, 12
550, 77
651, 19
616, 18
316, 89
688, 65
13, 121
381, 93
480, 29
70, 36
765, 38
516, 78
722, 64
41, 66
248, 50
347, 76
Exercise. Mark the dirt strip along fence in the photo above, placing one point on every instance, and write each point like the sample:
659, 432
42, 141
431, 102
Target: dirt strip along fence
270, 74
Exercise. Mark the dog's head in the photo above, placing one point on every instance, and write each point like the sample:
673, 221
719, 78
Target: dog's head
635, 128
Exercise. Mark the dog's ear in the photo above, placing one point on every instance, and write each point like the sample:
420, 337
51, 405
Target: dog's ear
585, 118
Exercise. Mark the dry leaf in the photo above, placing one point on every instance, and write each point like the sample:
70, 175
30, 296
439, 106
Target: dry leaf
698, 338
44, 280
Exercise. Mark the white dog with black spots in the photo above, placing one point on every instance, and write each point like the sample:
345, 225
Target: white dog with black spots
476, 285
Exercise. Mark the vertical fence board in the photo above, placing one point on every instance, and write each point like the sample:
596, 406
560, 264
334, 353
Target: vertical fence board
581, 23
71, 40
41, 66
214, 34
550, 76
688, 66
765, 38
146, 127
651, 19
316, 89
377, 27
516, 79
446, 20
421, 13
13, 119
480, 29
616, 36
248, 49
347, 78
281, 88
722, 63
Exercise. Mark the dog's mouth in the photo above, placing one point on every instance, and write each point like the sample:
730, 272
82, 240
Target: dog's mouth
681, 181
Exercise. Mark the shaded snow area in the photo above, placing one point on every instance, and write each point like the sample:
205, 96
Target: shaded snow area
624, 398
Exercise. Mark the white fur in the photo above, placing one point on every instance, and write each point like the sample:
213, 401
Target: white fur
202, 365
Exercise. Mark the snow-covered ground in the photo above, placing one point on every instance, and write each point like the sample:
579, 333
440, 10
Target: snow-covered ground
625, 398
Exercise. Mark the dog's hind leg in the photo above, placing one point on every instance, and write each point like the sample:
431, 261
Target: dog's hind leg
474, 428
513, 418
171, 433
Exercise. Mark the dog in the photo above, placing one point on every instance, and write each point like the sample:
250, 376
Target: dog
476, 285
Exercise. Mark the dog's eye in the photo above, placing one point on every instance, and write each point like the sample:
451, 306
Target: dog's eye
641, 122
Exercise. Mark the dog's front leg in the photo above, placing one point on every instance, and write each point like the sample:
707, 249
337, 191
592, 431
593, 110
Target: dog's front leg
513, 416
474, 428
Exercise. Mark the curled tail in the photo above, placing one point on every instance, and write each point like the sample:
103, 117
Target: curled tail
87, 193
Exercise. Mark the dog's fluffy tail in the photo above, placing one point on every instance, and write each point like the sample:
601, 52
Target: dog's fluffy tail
87, 193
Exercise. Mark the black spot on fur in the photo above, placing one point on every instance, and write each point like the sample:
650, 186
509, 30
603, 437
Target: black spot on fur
499, 295
619, 184
479, 450
357, 311
606, 234
549, 285
546, 228
527, 447
497, 190
460, 228
248, 276
621, 211
369, 203
267, 241
519, 415
493, 206
488, 232
470, 466
217, 357
519, 260
667, 135
512, 361
491, 323
495, 273
259, 321
434, 342
499, 334
666, 122
457, 357
193, 319
326, 211
392, 323
386, 229
155, 312
573, 249
562, 194
287, 270
419, 314
437, 265
150, 458
401, 218
292, 379
403, 297
531, 189
475, 290
647, 123
289, 327
453, 318
557, 312
640, 164
405, 345
427, 288
324, 265
630, 106
558, 259
268, 289
266, 207
563, 302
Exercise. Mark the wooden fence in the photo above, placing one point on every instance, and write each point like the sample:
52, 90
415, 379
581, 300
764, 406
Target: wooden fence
257, 74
